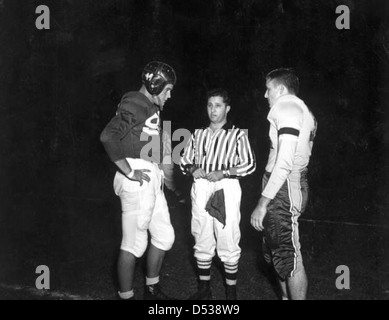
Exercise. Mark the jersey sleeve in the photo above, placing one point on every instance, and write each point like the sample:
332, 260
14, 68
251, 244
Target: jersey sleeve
167, 164
247, 163
187, 159
117, 129
288, 121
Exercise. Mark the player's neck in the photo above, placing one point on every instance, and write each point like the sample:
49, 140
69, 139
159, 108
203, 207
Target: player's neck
146, 93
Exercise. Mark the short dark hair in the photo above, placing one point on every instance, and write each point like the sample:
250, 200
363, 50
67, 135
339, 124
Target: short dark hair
287, 77
219, 92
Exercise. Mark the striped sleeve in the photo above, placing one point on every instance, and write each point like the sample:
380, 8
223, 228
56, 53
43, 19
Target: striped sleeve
246, 158
167, 165
187, 159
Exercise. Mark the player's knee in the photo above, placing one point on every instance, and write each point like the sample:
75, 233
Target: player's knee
299, 266
137, 250
287, 267
166, 243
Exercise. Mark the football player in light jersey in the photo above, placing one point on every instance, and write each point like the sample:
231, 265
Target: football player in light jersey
285, 187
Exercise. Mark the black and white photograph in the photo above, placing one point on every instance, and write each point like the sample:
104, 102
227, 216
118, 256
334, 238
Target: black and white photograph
206, 151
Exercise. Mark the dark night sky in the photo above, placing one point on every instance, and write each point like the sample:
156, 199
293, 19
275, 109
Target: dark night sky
60, 87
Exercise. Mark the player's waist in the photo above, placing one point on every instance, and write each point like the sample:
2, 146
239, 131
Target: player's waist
139, 163
294, 174
208, 168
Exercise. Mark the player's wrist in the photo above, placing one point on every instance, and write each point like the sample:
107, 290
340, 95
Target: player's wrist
131, 174
264, 201
226, 173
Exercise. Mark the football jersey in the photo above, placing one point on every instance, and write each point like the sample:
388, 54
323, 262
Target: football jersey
292, 131
135, 130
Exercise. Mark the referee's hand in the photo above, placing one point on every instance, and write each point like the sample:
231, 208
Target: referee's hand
215, 176
199, 173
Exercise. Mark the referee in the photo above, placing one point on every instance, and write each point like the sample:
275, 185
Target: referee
217, 156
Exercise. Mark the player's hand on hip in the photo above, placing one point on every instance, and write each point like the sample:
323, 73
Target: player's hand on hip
257, 217
215, 176
140, 175
199, 173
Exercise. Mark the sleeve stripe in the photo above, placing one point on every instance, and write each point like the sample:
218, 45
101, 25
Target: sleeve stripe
291, 131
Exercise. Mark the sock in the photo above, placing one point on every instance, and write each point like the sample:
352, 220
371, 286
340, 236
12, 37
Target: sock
231, 273
126, 295
285, 298
151, 281
204, 269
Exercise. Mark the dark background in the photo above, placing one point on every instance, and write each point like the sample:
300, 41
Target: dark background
60, 87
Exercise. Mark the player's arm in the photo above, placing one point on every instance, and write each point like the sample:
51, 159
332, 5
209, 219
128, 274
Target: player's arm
134, 175
289, 125
111, 136
287, 146
114, 131
120, 125
283, 166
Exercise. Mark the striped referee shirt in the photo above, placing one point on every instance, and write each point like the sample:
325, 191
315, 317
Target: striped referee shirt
226, 149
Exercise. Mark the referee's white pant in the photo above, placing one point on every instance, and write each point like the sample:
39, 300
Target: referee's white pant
144, 208
208, 232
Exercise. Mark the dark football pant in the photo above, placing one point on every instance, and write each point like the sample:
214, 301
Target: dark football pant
281, 245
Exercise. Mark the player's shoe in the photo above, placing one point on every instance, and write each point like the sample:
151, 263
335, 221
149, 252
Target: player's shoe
129, 299
231, 293
203, 292
154, 292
